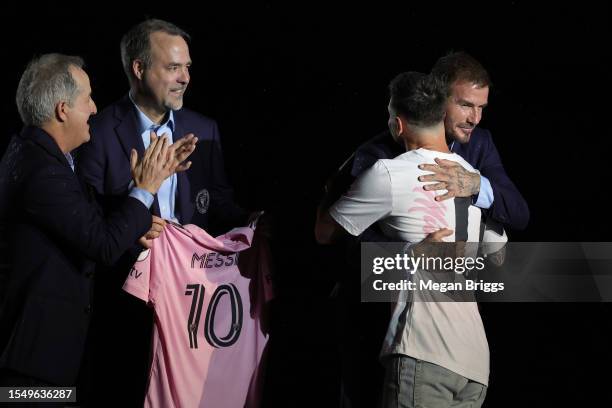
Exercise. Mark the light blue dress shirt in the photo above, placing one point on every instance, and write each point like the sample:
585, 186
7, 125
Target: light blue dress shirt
142, 195
70, 160
166, 196
485, 195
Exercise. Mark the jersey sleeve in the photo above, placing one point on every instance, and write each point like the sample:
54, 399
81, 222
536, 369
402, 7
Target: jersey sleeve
138, 282
368, 200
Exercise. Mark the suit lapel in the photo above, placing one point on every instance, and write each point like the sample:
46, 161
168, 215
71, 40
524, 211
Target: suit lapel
183, 208
44, 140
129, 137
127, 129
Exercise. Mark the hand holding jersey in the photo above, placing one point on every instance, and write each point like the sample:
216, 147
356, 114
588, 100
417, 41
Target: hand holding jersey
156, 228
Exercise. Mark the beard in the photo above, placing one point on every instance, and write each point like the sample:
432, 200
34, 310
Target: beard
173, 103
459, 134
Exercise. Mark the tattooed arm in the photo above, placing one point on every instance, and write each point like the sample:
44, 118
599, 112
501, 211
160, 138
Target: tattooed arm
451, 176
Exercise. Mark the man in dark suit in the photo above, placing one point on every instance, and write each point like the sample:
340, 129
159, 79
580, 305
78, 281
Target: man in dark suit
57, 231
156, 60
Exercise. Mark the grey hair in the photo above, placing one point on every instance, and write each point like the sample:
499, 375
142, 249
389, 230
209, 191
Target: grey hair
136, 44
46, 81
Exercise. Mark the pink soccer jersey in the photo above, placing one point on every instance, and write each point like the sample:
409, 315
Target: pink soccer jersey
208, 338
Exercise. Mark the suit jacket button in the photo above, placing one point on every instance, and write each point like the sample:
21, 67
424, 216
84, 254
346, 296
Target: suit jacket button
87, 309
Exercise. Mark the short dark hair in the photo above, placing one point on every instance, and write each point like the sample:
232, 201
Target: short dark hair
460, 66
418, 98
136, 43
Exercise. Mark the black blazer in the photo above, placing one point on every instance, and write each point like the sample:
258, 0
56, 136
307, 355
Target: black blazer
55, 233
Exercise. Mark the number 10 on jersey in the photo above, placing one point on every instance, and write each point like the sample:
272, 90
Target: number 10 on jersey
196, 291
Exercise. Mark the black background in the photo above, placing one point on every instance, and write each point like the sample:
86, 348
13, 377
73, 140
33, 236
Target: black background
296, 89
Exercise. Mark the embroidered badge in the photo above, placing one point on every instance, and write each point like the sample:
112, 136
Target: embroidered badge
202, 201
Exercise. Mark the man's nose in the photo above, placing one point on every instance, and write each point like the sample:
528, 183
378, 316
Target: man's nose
474, 116
184, 77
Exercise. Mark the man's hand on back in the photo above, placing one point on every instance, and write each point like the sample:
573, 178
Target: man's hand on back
451, 176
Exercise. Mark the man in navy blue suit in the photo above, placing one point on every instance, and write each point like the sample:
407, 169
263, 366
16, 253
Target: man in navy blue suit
156, 59
492, 191
57, 232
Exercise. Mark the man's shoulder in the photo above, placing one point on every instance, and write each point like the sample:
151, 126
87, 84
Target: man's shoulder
479, 147
479, 136
404, 164
381, 146
464, 163
380, 170
31, 151
409, 158
190, 119
204, 127
111, 115
20, 158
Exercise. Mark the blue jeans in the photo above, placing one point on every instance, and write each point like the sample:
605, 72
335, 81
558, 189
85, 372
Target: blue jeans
411, 383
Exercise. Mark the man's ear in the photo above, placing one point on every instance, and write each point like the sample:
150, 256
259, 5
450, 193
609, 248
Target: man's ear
400, 125
138, 68
61, 110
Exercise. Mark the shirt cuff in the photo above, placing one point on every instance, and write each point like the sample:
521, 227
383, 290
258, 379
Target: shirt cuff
485, 196
143, 196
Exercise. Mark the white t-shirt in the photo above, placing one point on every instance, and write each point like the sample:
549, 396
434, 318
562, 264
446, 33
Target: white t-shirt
449, 334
